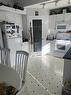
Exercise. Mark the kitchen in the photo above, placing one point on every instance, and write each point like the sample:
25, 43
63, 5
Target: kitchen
55, 35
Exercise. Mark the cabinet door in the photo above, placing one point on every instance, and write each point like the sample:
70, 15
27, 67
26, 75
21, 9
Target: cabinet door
68, 18
60, 18
14, 44
2, 16
52, 21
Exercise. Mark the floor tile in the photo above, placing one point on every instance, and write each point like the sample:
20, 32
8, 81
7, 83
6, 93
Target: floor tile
32, 87
48, 71
44, 76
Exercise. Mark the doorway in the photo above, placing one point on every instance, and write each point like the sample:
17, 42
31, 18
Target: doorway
37, 35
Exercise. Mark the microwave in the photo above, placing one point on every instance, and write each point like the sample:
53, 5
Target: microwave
63, 27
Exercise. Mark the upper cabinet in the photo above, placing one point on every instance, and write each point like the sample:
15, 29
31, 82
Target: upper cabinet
58, 19
9, 9
60, 10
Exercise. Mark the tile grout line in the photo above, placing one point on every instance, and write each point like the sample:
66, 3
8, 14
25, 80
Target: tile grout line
39, 82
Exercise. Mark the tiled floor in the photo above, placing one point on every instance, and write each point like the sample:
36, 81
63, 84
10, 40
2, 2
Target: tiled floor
44, 76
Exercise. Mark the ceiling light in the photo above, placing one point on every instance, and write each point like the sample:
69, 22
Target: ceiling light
43, 5
55, 3
68, 1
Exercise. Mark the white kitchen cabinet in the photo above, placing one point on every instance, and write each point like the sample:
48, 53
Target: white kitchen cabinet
12, 10
2, 16
68, 18
25, 46
15, 44
59, 18
49, 47
67, 69
52, 20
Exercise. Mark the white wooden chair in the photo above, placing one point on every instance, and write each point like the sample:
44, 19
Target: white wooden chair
21, 64
5, 56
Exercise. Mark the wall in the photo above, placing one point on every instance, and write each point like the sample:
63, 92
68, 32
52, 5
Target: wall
10, 17
43, 14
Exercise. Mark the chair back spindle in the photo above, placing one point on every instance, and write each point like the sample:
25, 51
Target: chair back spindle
5, 56
21, 64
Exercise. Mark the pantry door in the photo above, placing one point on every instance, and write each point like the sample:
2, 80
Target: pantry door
37, 34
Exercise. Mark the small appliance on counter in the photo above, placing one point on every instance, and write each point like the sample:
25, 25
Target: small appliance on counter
50, 37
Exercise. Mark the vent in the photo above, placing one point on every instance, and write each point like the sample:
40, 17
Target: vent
36, 13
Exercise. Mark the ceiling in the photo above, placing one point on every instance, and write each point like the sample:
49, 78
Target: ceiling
51, 4
28, 2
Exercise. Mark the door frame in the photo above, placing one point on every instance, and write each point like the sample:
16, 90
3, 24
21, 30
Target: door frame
32, 24
44, 27
36, 18
33, 33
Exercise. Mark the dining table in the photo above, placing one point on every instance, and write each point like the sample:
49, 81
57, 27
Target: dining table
9, 76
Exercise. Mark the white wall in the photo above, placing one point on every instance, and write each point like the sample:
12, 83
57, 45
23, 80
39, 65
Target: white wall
11, 17
43, 15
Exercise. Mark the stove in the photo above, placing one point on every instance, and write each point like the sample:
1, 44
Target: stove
62, 45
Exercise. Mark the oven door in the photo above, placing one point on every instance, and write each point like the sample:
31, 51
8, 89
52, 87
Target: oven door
60, 47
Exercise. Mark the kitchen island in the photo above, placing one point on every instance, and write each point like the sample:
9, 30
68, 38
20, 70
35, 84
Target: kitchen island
57, 48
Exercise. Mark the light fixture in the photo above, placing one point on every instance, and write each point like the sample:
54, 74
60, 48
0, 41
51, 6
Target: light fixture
55, 3
68, 1
43, 5
49, 1
64, 12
